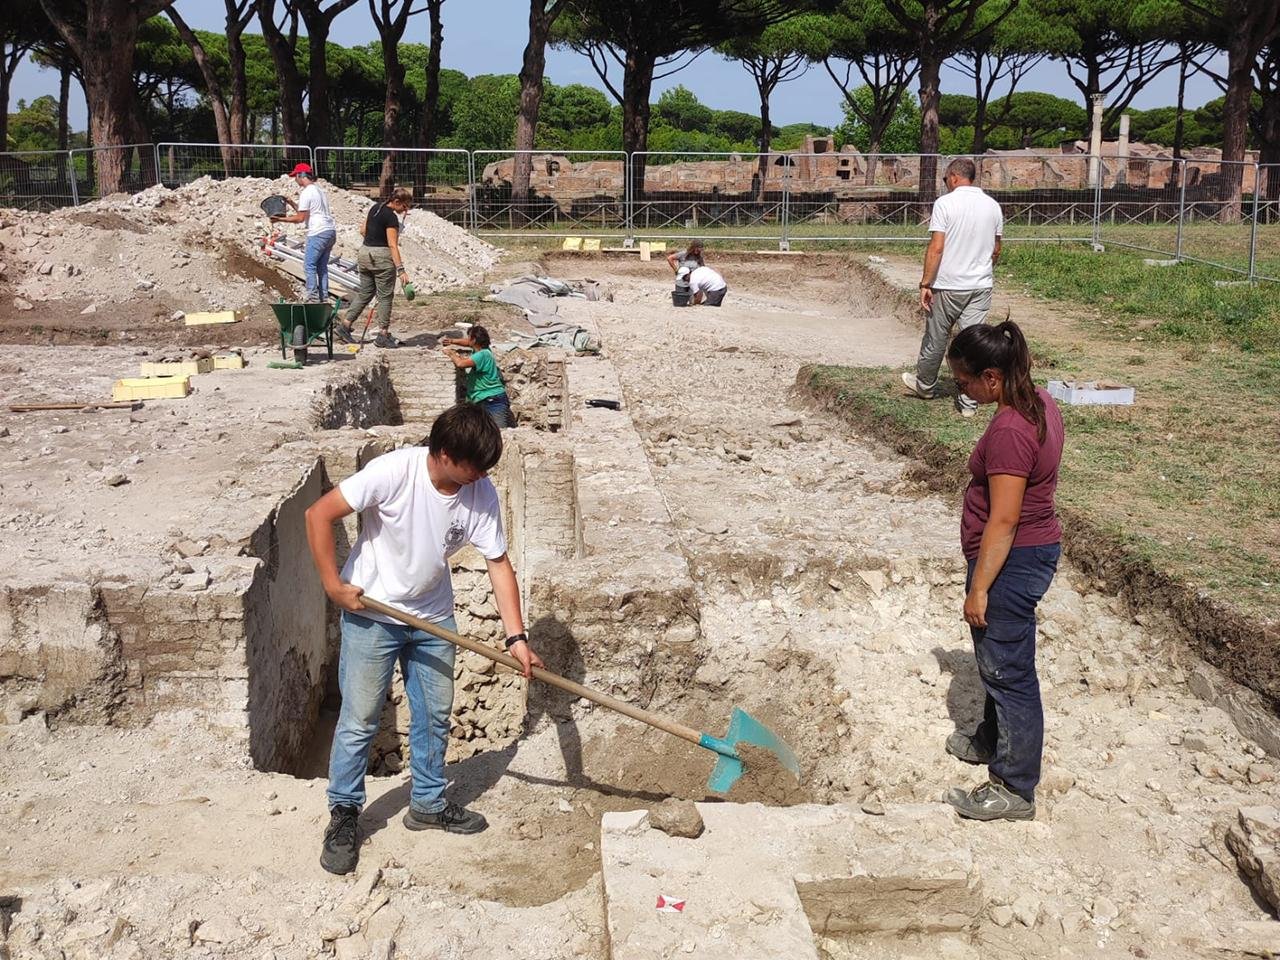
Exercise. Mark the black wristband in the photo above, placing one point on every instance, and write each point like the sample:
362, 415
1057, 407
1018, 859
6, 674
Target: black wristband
517, 638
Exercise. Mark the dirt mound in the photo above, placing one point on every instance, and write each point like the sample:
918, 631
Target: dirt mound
171, 245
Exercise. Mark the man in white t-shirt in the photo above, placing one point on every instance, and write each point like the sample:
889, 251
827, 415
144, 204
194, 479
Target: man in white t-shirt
707, 286
312, 209
959, 272
418, 507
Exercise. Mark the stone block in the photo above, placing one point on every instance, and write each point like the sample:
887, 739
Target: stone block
1254, 839
768, 881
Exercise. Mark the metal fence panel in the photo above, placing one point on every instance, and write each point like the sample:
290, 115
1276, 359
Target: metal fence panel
855, 196
1267, 221
1140, 201
722, 195
578, 191
183, 163
440, 179
1216, 226
850, 195
99, 171
36, 179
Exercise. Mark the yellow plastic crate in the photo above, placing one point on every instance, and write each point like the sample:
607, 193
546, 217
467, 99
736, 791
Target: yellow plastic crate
151, 388
177, 368
592, 243
228, 361
571, 243
220, 316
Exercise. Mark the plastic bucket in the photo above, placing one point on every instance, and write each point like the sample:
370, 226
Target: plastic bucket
681, 298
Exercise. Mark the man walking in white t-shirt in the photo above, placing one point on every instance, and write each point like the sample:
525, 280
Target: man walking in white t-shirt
312, 209
418, 507
959, 272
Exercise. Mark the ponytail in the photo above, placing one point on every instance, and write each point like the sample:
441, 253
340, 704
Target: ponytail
1002, 347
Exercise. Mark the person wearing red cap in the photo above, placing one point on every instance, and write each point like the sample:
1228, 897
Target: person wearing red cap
312, 209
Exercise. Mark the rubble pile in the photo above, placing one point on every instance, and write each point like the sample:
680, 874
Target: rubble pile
197, 246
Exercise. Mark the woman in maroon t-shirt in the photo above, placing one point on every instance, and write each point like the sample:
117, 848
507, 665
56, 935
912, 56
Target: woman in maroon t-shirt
1010, 536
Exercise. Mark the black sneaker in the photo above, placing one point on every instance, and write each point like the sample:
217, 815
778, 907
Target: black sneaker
341, 840
385, 340
990, 801
452, 819
964, 747
343, 332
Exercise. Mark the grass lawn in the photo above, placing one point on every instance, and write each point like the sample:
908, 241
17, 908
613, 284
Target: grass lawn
1188, 478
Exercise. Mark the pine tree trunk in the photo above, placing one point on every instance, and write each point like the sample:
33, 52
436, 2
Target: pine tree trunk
531, 74
930, 95
292, 117
4, 109
318, 114
873, 158
637, 81
1179, 123
980, 110
431, 92
64, 106
1235, 123
213, 89
103, 42
391, 114
238, 114
766, 139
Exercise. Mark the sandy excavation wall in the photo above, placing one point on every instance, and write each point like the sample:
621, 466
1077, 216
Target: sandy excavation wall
194, 247
613, 601
250, 649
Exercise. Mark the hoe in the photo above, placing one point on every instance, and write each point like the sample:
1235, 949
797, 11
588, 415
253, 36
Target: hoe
743, 728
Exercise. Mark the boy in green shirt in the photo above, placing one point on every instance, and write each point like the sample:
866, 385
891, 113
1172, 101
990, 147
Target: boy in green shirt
483, 382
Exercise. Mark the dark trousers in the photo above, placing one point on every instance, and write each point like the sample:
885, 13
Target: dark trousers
1013, 718
499, 410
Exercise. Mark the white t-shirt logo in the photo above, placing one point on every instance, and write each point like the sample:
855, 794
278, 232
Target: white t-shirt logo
454, 537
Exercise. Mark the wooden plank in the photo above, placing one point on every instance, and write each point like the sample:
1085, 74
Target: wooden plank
219, 316
92, 405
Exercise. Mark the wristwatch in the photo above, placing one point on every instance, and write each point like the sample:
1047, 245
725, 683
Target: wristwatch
517, 638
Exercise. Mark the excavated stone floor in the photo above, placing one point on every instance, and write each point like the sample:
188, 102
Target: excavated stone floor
712, 544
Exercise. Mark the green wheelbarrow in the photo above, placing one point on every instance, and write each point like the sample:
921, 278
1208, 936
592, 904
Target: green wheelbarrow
302, 324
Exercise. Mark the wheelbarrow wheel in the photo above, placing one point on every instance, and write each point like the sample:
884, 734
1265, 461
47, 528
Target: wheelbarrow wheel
300, 343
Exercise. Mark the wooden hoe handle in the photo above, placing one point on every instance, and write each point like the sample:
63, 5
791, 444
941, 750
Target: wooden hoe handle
546, 676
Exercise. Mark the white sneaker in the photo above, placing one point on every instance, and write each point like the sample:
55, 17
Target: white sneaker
967, 410
911, 383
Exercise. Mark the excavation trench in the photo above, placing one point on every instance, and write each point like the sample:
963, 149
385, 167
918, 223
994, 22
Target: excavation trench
693, 682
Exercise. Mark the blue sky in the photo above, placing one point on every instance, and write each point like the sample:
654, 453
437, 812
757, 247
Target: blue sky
488, 36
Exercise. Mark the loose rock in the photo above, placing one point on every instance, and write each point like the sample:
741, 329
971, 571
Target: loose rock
677, 818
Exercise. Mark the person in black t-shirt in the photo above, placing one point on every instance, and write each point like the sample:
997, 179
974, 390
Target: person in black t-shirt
380, 262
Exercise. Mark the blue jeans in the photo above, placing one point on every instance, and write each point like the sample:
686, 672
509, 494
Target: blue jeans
370, 650
499, 410
1012, 727
316, 262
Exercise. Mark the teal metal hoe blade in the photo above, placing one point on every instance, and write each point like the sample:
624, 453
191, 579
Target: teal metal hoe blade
743, 728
